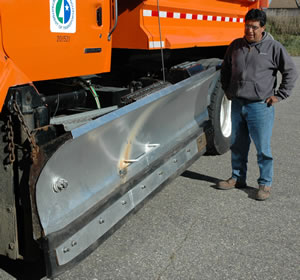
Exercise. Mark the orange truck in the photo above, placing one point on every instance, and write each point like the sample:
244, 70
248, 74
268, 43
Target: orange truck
102, 103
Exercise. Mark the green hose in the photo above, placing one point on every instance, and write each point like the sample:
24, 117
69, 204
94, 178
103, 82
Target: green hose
94, 93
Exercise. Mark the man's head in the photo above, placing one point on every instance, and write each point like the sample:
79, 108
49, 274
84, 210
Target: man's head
255, 22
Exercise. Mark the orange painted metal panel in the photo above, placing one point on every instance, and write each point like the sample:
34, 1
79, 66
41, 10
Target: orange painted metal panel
42, 54
10, 75
184, 24
264, 3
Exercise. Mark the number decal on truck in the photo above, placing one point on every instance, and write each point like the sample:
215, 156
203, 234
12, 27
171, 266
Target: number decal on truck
63, 16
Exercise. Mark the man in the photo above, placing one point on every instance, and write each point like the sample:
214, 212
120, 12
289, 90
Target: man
248, 77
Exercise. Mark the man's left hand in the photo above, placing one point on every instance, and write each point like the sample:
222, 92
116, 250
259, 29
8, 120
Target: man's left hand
271, 100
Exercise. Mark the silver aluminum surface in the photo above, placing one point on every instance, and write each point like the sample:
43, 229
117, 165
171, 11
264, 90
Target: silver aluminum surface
95, 162
89, 234
74, 121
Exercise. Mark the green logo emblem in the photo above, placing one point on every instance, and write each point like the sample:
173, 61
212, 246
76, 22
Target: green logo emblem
63, 16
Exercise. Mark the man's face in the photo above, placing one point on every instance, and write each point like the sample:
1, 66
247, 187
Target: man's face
253, 31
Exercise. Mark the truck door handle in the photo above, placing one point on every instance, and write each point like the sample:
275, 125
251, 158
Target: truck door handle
116, 21
99, 16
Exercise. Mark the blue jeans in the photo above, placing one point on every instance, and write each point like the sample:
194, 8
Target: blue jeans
251, 120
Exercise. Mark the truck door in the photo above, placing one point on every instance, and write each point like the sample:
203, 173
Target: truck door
57, 38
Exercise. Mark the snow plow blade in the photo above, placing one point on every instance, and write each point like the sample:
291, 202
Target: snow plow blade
113, 163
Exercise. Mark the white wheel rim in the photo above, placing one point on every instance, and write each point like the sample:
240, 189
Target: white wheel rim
225, 117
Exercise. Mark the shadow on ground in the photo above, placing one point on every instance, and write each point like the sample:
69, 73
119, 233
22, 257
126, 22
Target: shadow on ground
250, 191
22, 270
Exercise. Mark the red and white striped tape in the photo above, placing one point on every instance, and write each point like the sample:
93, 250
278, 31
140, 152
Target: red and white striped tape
164, 14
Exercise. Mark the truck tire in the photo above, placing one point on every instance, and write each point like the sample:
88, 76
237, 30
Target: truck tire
219, 112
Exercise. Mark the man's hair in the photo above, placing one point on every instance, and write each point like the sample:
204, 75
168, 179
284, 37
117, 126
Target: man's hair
257, 15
